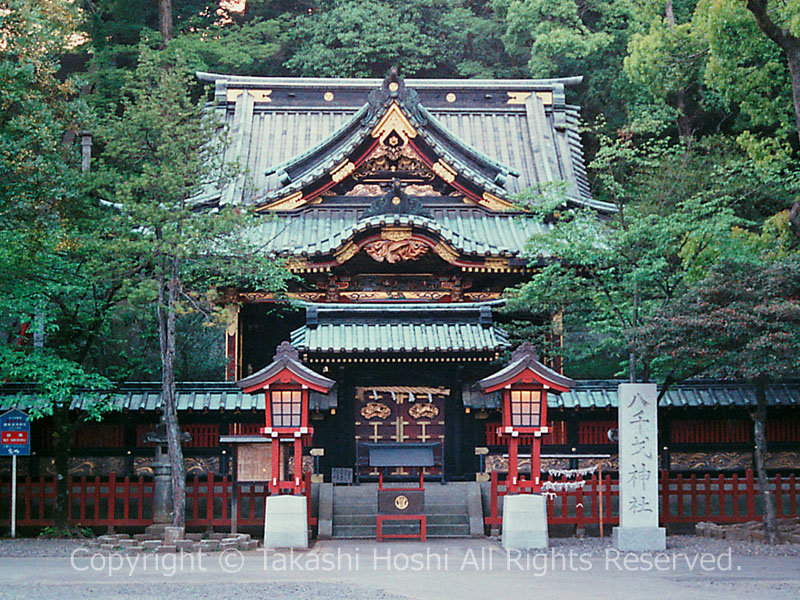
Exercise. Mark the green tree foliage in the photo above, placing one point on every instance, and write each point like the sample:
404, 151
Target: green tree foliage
740, 321
164, 158
54, 289
441, 38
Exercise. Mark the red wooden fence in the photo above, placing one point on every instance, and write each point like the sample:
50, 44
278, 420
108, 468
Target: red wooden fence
684, 499
128, 502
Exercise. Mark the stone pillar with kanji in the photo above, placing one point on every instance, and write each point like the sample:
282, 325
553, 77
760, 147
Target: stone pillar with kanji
638, 470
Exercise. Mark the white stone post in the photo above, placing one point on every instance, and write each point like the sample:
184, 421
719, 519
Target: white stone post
286, 522
638, 470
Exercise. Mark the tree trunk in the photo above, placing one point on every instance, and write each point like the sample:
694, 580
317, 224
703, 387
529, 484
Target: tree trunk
684, 128
760, 422
165, 19
62, 440
168, 295
792, 54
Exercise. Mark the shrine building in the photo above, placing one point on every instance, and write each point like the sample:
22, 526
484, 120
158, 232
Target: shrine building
393, 202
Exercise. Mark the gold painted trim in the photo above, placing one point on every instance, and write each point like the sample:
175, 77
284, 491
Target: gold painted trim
396, 234
445, 171
346, 252
260, 95
342, 170
287, 203
233, 95
496, 263
521, 97
394, 120
493, 202
446, 251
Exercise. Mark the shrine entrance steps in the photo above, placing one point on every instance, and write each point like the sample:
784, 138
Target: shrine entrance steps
355, 509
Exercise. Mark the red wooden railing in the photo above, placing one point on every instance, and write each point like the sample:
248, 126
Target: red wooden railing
127, 502
684, 499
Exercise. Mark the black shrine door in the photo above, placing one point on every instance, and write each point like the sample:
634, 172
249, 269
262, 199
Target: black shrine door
400, 414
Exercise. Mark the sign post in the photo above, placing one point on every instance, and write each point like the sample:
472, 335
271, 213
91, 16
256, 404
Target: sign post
15, 440
638, 470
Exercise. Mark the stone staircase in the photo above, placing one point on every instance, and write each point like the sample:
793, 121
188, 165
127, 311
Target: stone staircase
355, 509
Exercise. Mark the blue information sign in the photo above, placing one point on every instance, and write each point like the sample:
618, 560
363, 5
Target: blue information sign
15, 433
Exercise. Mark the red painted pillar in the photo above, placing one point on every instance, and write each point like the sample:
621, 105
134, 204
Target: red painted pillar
536, 464
276, 467
513, 464
298, 465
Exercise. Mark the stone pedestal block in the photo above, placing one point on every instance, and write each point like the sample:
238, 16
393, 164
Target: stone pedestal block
639, 539
286, 522
173, 534
524, 522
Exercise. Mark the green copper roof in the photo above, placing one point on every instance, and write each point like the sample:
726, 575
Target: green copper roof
399, 337
540, 141
220, 396
393, 328
320, 230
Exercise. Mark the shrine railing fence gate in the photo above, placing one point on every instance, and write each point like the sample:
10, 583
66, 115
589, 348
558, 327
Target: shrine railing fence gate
128, 502
684, 499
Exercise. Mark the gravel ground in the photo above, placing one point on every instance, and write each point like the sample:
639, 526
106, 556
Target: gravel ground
22, 547
37, 569
227, 591
689, 544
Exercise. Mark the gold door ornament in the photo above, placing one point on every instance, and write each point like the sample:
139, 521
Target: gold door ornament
372, 410
423, 411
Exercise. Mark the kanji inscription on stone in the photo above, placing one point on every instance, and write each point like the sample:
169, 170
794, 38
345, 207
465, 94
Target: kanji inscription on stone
638, 468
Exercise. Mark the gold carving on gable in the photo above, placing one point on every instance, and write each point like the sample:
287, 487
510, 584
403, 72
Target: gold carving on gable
341, 171
375, 409
421, 190
346, 252
423, 410
394, 120
394, 252
391, 159
446, 252
493, 202
396, 234
366, 189
445, 171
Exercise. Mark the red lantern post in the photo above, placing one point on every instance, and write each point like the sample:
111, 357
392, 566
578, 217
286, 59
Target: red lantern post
525, 384
286, 384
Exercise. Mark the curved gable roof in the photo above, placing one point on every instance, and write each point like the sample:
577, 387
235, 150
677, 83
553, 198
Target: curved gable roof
392, 111
525, 125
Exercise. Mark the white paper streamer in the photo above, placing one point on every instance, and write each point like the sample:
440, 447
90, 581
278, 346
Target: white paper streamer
572, 473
